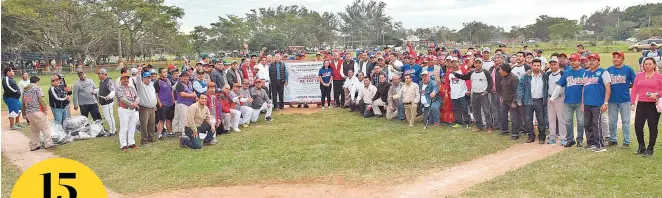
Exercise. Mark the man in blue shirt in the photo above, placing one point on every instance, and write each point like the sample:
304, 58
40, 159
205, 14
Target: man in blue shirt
573, 82
412, 69
597, 90
622, 77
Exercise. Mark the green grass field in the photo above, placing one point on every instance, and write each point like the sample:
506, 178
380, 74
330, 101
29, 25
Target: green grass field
330, 146
579, 173
10, 174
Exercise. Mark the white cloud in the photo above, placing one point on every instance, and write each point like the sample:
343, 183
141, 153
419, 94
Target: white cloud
414, 13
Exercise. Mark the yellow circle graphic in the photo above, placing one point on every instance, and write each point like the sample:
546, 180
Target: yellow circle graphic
59, 178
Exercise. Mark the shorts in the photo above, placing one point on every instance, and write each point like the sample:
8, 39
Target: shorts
14, 106
165, 113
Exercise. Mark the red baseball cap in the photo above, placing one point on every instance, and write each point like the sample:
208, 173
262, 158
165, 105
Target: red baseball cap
594, 56
574, 57
620, 53
171, 67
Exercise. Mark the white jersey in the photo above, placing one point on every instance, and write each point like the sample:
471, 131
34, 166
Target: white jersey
519, 71
458, 86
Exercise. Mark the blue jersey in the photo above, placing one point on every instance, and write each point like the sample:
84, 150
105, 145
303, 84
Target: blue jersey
414, 71
594, 86
573, 81
621, 80
325, 74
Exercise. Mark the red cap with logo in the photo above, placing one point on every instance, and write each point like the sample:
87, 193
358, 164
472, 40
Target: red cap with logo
594, 56
575, 57
620, 53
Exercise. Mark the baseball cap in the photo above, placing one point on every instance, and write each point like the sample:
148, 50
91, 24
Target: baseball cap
449, 58
424, 73
539, 51
134, 71
573, 57
171, 67
486, 49
453, 59
554, 59
147, 74
203, 56
479, 60
199, 63
54, 78
102, 71
502, 45
654, 44
594, 56
80, 71
620, 53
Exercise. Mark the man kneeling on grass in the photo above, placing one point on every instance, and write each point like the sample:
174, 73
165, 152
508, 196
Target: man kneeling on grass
198, 122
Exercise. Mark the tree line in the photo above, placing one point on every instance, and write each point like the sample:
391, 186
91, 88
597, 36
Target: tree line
139, 28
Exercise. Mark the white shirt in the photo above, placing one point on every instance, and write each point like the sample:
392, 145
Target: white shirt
519, 71
478, 82
398, 64
536, 86
22, 84
392, 71
553, 78
488, 64
262, 71
458, 86
367, 94
543, 61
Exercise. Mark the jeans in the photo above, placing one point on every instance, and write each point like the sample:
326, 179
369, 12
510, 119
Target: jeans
195, 143
127, 126
401, 110
90, 109
59, 115
495, 110
646, 112
536, 108
326, 93
624, 110
593, 126
432, 113
570, 110
461, 110
479, 104
338, 96
556, 115
516, 119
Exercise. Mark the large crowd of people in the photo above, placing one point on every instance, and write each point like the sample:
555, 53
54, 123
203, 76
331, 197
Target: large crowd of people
487, 90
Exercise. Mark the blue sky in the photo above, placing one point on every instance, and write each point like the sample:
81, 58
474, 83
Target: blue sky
414, 13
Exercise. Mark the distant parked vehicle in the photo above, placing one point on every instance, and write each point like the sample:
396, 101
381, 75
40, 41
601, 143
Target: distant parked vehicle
645, 44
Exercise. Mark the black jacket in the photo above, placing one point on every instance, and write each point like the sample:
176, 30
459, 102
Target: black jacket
497, 77
509, 89
382, 92
57, 97
10, 87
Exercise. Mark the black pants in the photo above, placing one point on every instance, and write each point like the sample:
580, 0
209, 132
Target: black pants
461, 111
326, 93
646, 112
92, 109
593, 126
338, 93
277, 88
516, 119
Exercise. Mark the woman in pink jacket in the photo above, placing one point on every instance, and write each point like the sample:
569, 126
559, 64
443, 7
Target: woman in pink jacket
646, 90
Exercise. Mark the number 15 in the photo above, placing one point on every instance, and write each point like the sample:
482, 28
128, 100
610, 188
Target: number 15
47, 184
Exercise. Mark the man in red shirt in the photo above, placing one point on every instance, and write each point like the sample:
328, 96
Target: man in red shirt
338, 80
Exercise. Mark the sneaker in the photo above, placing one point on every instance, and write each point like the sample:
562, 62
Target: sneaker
245, 125
436, 125
641, 150
648, 153
268, 118
15, 127
323, 107
551, 141
468, 126
411, 125
592, 147
34, 149
612, 143
133, 146
569, 144
330, 107
476, 129
457, 126
625, 146
236, 130
125, 149
514, 137
563, 142
599, 150
504, 133
170, 135
580, 145
530, 140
